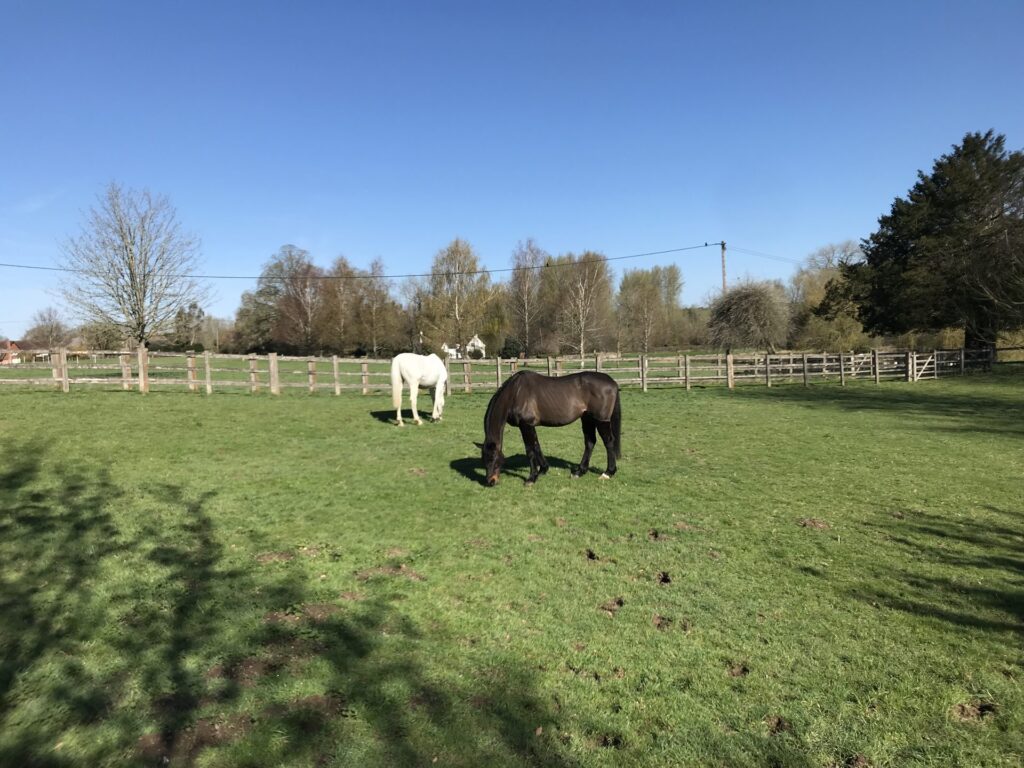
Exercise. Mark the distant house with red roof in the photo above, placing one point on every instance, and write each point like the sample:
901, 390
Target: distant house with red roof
10, 352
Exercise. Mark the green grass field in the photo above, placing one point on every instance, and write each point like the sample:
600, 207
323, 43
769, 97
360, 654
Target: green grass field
789, 576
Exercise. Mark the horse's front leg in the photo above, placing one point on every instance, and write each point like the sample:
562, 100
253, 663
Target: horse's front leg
589, 440
537, 463
609, 444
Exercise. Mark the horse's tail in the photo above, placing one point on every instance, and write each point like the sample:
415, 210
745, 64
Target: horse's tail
396, 384
617, 424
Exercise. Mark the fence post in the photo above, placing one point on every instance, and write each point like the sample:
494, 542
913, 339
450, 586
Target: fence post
65, 378
467, 379
963, 367
935, 361
643, 372
254, 385
191, 365
208, 372
143, 356
767, 369
448, 376
311, 374
364, 369
911, 365
55, 365
874, 366
275, 378
550, 373
126, 372
597, 361
686, 371
558, 366
337, 375
842, 370
498, 370
805, 369
730, 371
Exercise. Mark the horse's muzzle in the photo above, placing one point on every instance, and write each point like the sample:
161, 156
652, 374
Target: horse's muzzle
492, 480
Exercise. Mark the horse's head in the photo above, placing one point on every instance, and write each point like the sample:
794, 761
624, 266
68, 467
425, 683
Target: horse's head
493, 458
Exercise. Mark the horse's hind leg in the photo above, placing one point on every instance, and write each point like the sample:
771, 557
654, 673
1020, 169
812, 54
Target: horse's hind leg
589, 440
413, 391
605, 428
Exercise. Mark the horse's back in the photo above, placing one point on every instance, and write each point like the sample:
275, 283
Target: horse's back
426, 369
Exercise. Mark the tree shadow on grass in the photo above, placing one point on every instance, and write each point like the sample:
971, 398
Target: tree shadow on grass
920, 402
981, 561
130, 635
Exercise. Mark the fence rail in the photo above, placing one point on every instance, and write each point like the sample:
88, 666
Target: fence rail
204, 372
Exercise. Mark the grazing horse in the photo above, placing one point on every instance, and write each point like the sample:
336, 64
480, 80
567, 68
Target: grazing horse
528, 400
417, 371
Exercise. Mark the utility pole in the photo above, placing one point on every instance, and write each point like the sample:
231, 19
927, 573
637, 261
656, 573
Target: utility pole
723, 266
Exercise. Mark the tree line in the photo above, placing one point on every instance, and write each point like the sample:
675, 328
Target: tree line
944, 268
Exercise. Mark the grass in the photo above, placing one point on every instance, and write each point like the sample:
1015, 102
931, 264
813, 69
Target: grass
795, 576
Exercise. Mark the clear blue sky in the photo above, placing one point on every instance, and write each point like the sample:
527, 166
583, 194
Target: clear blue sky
389, 128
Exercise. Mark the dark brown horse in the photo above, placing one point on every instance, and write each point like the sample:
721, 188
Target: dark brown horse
528, 400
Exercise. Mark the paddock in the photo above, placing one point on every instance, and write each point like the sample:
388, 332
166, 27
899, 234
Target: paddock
804, 576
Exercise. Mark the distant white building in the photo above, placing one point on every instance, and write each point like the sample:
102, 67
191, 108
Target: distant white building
475, 345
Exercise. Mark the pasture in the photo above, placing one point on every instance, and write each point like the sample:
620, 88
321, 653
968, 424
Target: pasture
792, 576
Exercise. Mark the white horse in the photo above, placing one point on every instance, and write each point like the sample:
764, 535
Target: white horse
417, 371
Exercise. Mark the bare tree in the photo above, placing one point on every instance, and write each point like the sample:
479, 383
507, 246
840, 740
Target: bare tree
587, 301
453, 302
301, 299
376, 310
132, 265
524, 291
48, 331
341, 295
750, 315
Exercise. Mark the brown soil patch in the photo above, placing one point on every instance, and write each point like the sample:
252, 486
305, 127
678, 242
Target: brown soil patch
661, 622
479, 543
418, 471
534, 537
610, 741
319, 611
396, 552
561, 522
280, 617
973, 711
655, 535
311, 551
714, 554
613, 605
682, 525
739, 669
778, 725
664, 578
274, 557
579, 647
352, 597
184, 746
425, 699
247, 671
479, 702
813, 522
401, 570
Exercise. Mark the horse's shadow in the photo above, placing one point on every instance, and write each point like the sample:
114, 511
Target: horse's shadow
472, 467
388, 417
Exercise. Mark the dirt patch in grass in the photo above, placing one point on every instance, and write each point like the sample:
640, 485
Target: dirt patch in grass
813, 522
777, 725
274, 557
661, 622
613, 605
682, 525
352, 597
663, 577
418, 471
610, 741
246, 672
534, 537
854, 761
561, 522
714, 554
396, 552
738, 669
390, 570
182, 747
319, 611
973, 711
281, 617
311, 551
655, 535
591, 555
478, 543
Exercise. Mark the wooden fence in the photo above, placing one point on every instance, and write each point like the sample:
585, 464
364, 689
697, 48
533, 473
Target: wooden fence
204, 372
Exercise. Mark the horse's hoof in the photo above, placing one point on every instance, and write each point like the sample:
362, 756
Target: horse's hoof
529, 483
605, 476
400, 424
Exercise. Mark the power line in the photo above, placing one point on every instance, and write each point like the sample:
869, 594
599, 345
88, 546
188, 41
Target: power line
763, 255
365, 276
